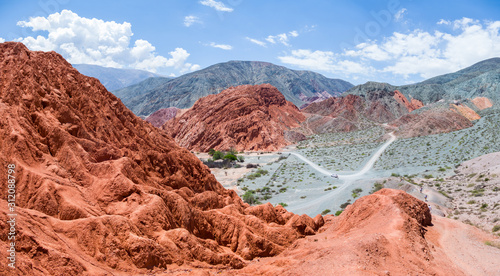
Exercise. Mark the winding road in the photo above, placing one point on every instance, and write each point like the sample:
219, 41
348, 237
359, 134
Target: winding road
313, 205
363, 171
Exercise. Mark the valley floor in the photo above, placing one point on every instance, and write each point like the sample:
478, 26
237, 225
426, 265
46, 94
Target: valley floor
469, 193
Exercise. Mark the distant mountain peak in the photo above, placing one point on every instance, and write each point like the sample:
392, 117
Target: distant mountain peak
183, 91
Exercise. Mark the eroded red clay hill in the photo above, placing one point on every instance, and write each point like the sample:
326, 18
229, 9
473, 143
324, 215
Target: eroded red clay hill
247, 117
387, 233
100, 191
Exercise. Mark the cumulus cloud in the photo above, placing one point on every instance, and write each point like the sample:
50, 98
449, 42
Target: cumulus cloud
218, 6
325, 61
2, 40
428, 54
190, 20
221, 46
400, 14
94, 41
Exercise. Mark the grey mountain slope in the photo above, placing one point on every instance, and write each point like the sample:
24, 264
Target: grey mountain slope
114, 78
183, 91
479, 80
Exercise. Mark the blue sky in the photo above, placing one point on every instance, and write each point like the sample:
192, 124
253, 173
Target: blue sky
395, 41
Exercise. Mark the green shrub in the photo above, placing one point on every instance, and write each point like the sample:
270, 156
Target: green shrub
218, 155
261, 171
377, 187
338, 213
211, 152
395, 174
283, 204
496, 228
241, 158
326, 211
249, 197
230, 156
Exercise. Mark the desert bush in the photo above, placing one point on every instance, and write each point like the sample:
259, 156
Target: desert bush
249, 197
326, 211
230, 156
218, 155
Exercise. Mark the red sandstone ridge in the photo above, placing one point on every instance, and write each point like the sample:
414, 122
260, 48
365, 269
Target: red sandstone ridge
465, 111
482, 103
161, 116
386, 233
101, 192
430, 122
411, 105
247, 117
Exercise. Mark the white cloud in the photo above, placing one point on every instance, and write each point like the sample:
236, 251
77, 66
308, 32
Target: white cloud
94, 41
400, 14
275, 39
258, 42
221, 46
219, 6
282, 38
190, 20
444, 22
2, 40
423, 54
324, 61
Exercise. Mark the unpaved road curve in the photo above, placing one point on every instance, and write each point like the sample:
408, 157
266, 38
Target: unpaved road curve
363, 171
348, 180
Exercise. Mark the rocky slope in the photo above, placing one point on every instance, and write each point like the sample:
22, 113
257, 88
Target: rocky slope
478, 80
114, 78
247, 117
430, 122
379, 104
163, 115
101, 192
386, 233
184, 91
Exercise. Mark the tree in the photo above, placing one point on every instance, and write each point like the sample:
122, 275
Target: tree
211, 152
218, 155
230, 156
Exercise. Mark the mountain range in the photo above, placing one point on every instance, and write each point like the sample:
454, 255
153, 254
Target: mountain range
99, 191
479, 80
114, 78
183, 91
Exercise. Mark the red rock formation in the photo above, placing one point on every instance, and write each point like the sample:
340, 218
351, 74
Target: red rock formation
352, 112
385, 233
247, 117
100, 191
411, 105
347, 107
465, 111
161, 116
430, 122
482, 103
